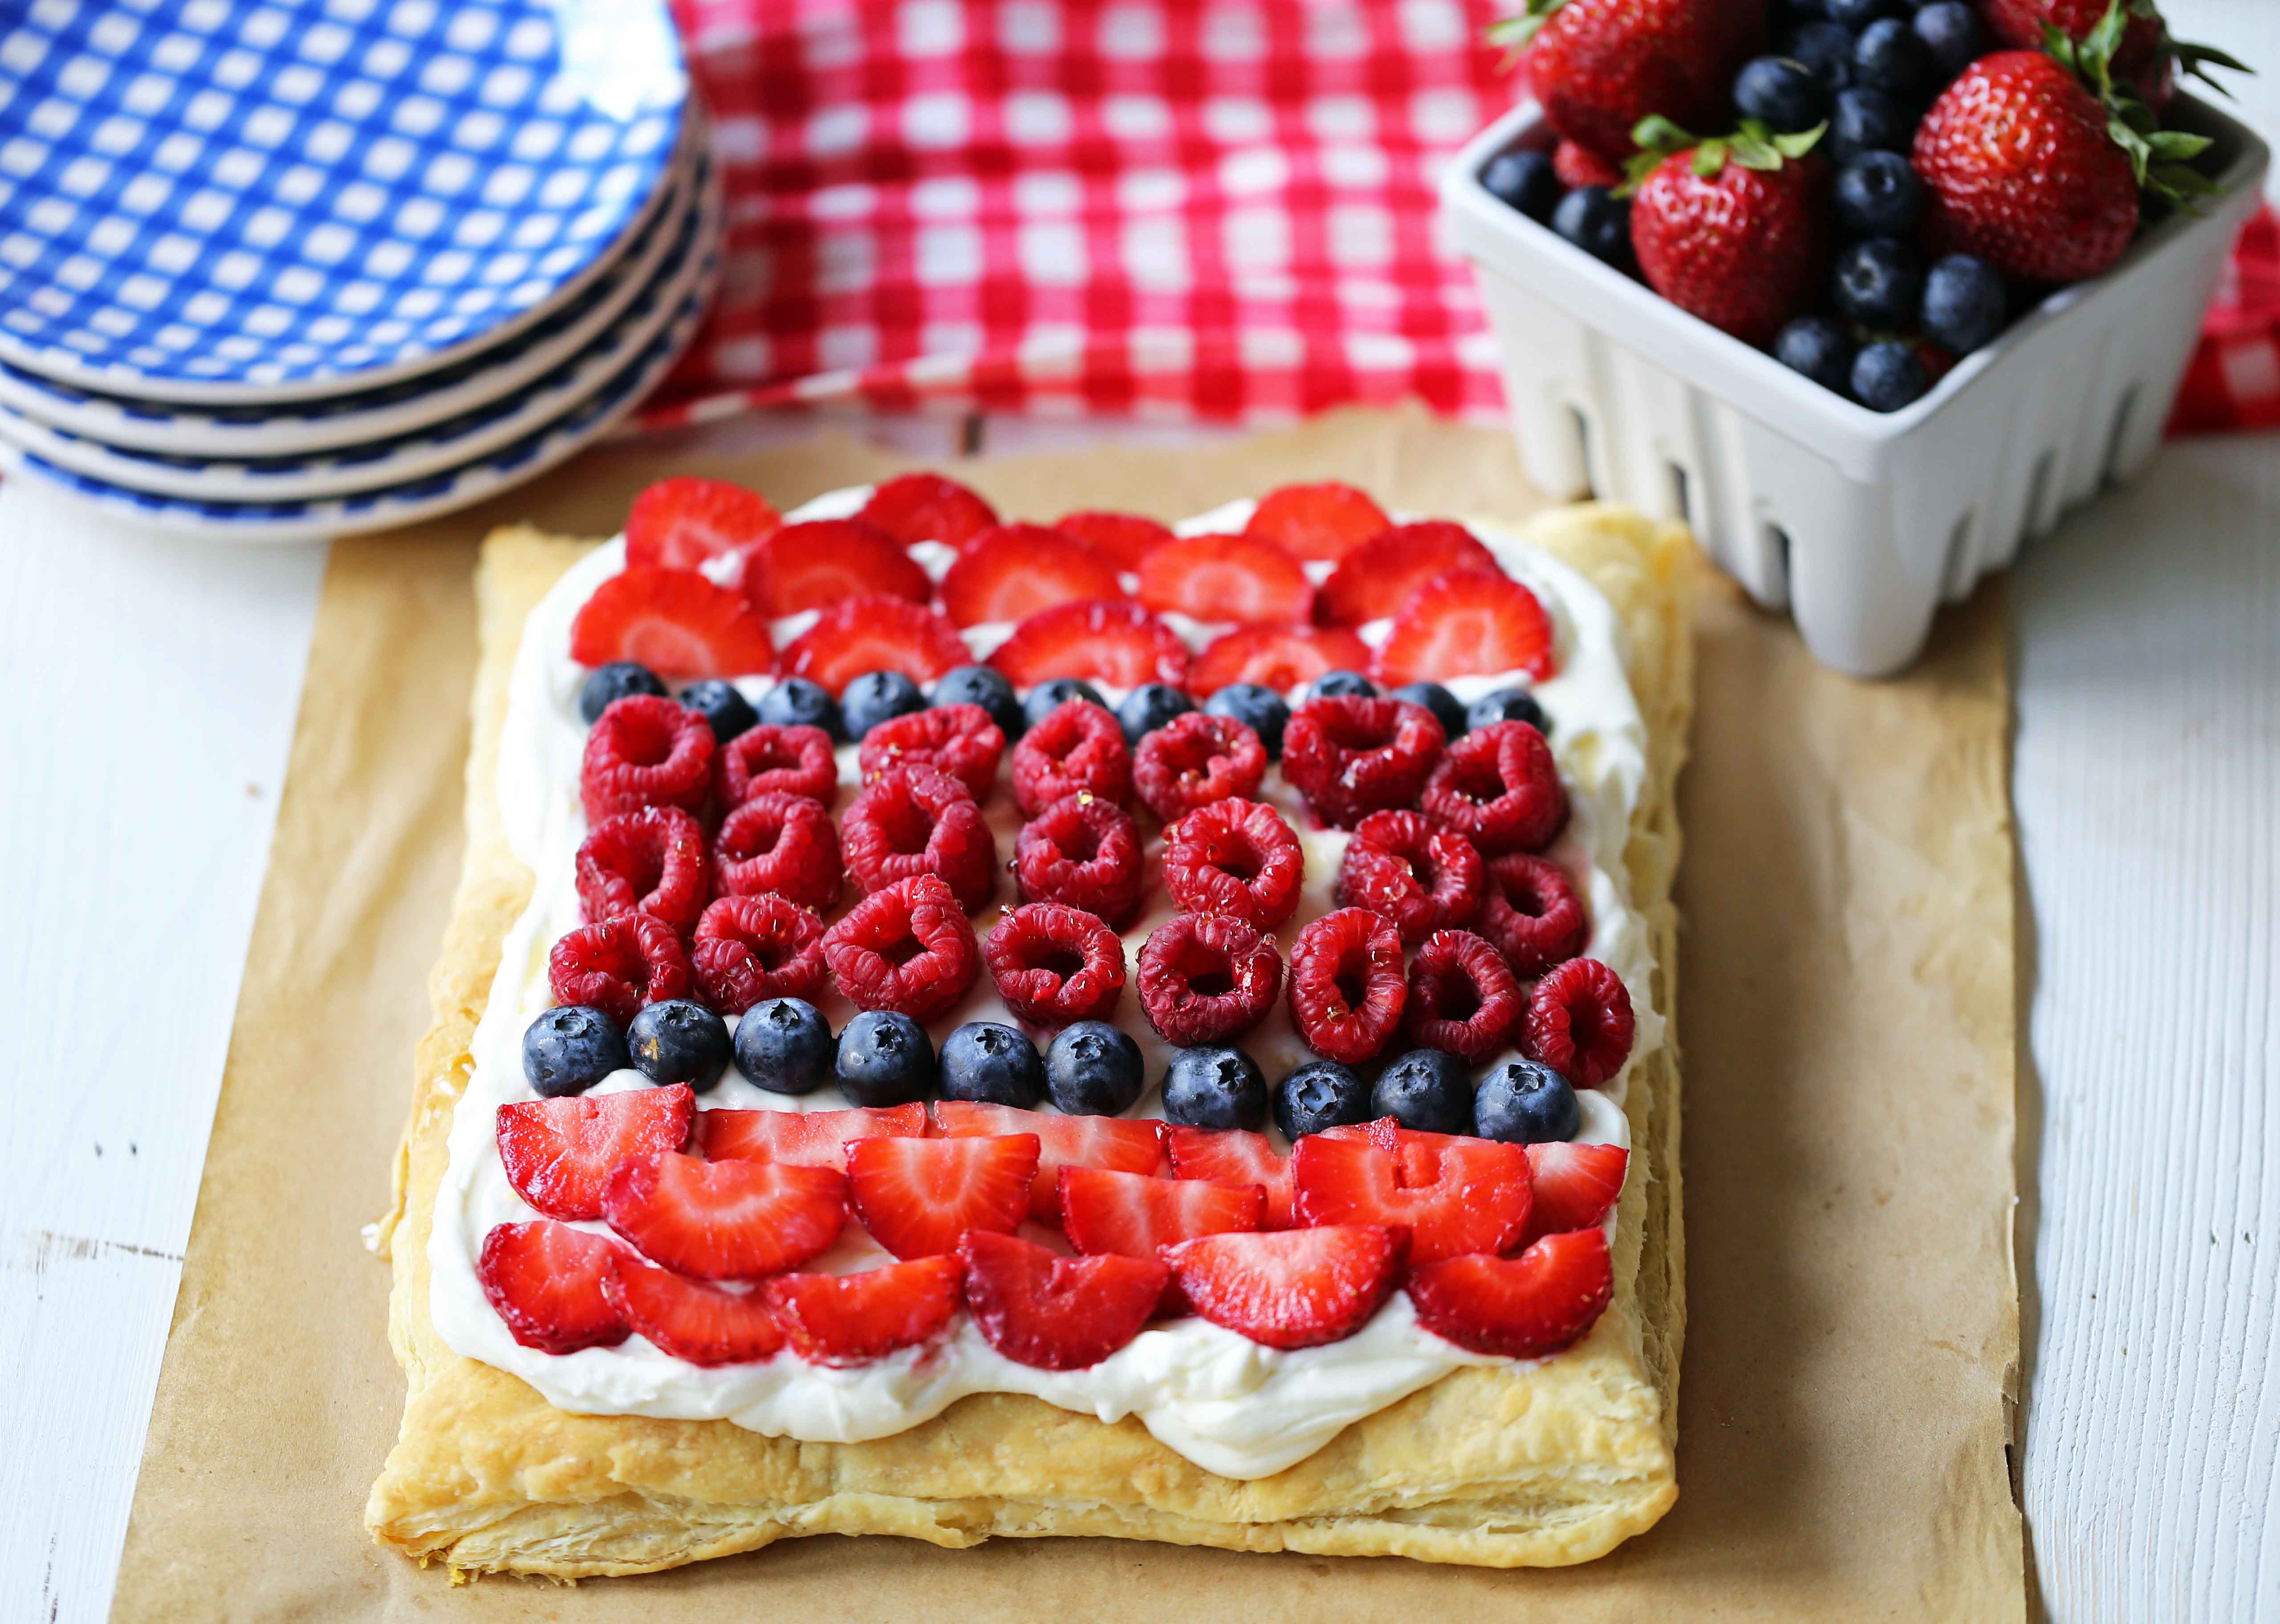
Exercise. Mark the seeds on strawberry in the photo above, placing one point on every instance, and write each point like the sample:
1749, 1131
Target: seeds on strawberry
1008, 573
1459, 1196
1205, 978
1580, 1022
1283, 657
1499, 786
1525, 1307
780, 845
683, 523
546, 1281
860, 635
675, 621
1292, 1287
645, 751
558, 1153
913, 821
1351, 756
750, 949
956, 739
1378, 576
1118, 1143
1327, 520
1195, 759
917, 1197
1232, 1157
1463, 998
1054, 964
619, 966
1124, 538
926, 507
1347, 985
777, 760
1531, 913
1466, 623
652, 861
803, 1138
1056, 1313
705, 1325
1575, 1185
1742, 247
1236, 858
1402, 865
724, 1220
906, 948
1599, 66
842, 1319
1078, 749
1096, 640
1243, 578
1083, 851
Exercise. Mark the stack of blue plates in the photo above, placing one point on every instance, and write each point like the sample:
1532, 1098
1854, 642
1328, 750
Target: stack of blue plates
276, 271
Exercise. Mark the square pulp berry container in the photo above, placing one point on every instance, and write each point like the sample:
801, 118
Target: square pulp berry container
1858, 522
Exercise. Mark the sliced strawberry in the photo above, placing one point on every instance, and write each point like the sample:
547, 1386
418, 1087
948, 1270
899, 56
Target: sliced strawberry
705, 1325
1477, 1199
1465, 623
1575, 1185
854, 1318
1098, 639
1135, 1215
1057, 1313
547, 1282
1522, 1307
724, 1220
1126, 1145
1010, 572
1377, 577
1277, 657
821, 563
916, 1196
675, 622
926, 507
1226, 578
679, 524
1126, 538
559, 1153
1316, 521
1292, 1287
1231, 1156
874, 633
802, 1138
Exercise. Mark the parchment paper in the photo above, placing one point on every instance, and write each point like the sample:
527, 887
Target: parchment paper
1846, 1014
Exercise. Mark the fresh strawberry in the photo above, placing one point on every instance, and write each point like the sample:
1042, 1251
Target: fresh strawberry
916, 1196
1477, 1199
1097, 640
815, 565
1226, 578
1057, 1313
1292, 1287
705, 1325
1229, 1156
1377, 577
559, 1153
1599, 66
547, 1282
854, 1318
1466, 623
680, 523
926, 507
1126, 538
1732, 230
1316, 521
1523, 1307
1575, 1185
1135, 1215
1576, 164
1123, 1144
674, 622
2142, 57
735, 1219
1010, 572
874, 633
1277, 657
802, 1138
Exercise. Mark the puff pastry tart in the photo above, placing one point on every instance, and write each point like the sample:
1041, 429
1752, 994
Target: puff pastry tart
958, 1029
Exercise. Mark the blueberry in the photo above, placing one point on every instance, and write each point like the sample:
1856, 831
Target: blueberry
1341, 684
798, 703
885, 1058
1824, 47
987, 687
1820, 347
1879, 195
1319, 1093
1093, 1070
1522, 181
1889, 56
1055, 692
878, 696
1781, 93
1215, 1086
1506, 704
1880, 283
1525, 1102
568, 1050
1965, 303
1596, 222
1149, 707
1857, 14
1951, 37
605, 685
1427, 1089
1260, 709
676, 1040
1888, 376
995, 1063
1445, 706
1868, 120
728, 712
785, 1046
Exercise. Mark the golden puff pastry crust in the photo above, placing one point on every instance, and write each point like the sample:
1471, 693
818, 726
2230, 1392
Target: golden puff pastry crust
1534, 1465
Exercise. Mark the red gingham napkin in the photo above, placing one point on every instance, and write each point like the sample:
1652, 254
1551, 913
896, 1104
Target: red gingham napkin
2234, 380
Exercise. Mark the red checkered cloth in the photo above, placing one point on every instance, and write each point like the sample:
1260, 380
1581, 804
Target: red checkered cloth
2234, 380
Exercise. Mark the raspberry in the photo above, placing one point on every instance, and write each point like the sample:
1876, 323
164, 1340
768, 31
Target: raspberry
1462, 997
906, 948
913, 821
779, 844
1580, 1022
618, 966
1078, 746
1532, 914
769, 759
956, 739
1235, 858
1351, 756
750, 948
1195, 759
1083, 852
1423, 877
1055, 964
652, 860
1347, 990
645, 751
1205, 977
1500, 788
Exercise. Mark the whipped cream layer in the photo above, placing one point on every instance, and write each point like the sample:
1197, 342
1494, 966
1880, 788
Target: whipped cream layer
1221, 1401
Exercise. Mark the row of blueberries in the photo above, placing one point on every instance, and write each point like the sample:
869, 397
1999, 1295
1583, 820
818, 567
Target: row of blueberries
1090, 1069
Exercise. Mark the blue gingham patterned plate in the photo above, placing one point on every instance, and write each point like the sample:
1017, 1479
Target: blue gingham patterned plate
217, 201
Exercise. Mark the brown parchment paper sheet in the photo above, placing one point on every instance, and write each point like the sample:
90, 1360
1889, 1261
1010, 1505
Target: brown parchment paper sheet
1846, 1014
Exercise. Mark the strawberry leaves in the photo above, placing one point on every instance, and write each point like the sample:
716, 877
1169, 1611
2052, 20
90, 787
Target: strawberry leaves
1752, 146
2161, 160
1514, 33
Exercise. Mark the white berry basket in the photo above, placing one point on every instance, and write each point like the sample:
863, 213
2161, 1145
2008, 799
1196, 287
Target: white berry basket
1859, 523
